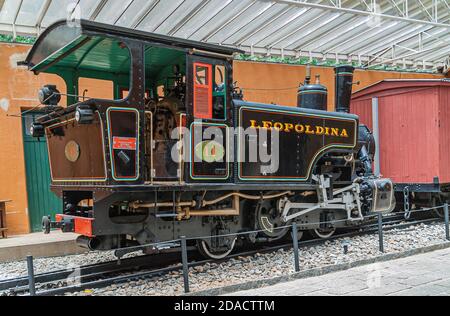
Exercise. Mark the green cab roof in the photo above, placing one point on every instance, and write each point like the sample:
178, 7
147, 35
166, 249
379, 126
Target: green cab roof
91, 46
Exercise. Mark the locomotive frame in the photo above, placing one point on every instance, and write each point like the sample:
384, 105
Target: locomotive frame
133, 202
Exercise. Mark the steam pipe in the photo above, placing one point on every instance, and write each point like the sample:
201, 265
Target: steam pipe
136, 205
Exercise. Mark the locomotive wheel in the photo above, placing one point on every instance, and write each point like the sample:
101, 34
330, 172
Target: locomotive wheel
268, 219
440, 213
206, 251
438, 201
322, 233
299, 234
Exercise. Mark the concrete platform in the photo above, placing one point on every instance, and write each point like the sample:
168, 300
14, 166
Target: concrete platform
38, 245
421, 275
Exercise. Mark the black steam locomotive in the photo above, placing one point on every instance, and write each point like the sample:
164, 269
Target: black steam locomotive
178, 152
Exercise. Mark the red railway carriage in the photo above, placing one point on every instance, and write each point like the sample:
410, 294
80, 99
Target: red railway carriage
414, 138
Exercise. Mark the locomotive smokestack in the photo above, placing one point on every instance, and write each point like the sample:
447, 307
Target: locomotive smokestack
344, 85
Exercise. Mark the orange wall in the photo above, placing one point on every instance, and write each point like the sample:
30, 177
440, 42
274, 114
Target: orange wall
277, 83
18, 88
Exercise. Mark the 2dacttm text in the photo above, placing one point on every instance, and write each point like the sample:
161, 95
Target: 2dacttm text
225, 306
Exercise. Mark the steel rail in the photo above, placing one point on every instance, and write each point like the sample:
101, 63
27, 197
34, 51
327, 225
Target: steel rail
95, 280
88, 272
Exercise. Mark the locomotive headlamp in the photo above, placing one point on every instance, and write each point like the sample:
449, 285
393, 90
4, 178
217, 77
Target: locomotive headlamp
84, 115
37, 130
49, 95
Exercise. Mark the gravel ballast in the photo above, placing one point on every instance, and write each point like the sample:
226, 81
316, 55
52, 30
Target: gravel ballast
244, 269
16, 269
279, 263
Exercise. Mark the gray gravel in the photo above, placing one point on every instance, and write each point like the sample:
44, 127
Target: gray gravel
243, 269
19, 268
264, 266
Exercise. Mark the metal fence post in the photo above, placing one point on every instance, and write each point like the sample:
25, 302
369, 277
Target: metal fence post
31, 283
380, 231
184, 260
447, 229
295, 241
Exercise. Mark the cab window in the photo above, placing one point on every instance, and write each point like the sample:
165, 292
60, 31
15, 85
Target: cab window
209, 91
219, 93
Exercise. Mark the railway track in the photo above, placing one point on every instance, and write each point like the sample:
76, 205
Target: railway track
104, 274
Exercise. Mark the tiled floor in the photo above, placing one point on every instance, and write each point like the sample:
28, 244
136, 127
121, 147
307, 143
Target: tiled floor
425, 274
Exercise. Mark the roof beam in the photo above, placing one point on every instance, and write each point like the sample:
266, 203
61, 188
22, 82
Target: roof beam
223, 6
324, 35
402, 38
7, 28
438, 38
296, 31
421, 41
306, 3
42, 13
374, 36
407, 55
447, 4
368, 7
375, 32
16, 14
188, 17
221, 27
282, 25
394, 4
263, 25
425, 10
398, 37
316, 55
309, 32
143, 14
351, 39
358, 24
439, 56
123, 11
393, 46
340, 36
97, 10
258, 14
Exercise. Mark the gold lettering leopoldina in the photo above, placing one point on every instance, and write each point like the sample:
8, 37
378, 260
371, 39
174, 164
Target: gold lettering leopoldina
300, 128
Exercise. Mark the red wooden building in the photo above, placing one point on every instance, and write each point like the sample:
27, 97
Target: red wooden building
414, 129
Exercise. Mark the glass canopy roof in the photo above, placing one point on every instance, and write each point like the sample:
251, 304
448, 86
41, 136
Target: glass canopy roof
407, 34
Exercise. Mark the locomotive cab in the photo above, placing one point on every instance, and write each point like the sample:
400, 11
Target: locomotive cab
159, 90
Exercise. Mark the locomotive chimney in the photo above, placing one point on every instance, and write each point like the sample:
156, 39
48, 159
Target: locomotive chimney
344, 85
312, 96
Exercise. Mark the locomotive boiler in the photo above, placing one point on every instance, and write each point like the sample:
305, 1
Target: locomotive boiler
179, 152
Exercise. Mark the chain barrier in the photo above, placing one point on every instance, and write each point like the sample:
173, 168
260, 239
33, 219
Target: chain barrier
406, 202
182, 241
